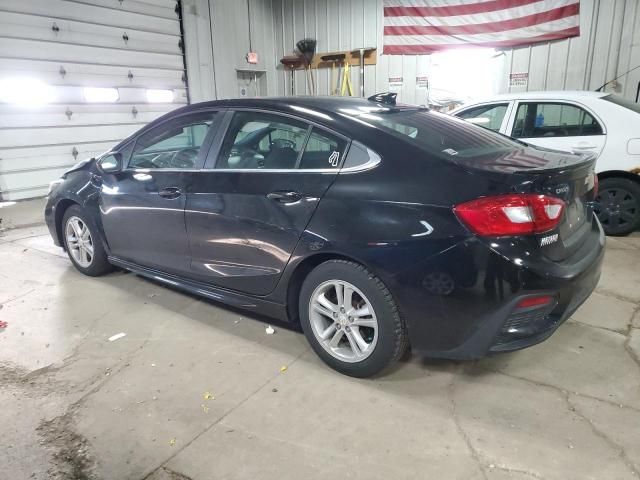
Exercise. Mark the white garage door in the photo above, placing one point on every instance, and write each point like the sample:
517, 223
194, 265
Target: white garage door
76, 76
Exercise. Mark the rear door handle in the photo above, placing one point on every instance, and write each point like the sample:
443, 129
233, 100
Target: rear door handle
283, 196
170, 192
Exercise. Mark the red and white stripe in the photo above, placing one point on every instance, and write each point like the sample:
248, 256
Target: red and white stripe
415, 27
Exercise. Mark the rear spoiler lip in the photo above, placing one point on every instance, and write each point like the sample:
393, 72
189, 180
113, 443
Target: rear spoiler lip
572, 161
587, 160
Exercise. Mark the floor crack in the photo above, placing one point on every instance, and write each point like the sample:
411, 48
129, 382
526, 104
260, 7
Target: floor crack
621, 451
456, 420
561, 390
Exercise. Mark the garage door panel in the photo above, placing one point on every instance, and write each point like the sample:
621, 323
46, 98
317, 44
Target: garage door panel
134, 6
92, 75
34, 27
11, 158
92, 14
62, 52
46, 161
59, 119
24, 137
87, 49
158, 108
28, 184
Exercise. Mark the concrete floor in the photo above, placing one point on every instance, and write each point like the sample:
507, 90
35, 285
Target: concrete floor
195, 390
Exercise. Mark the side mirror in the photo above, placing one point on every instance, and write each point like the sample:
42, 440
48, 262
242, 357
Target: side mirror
111, 163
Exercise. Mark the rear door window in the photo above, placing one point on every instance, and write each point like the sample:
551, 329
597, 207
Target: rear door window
487, 116
623, 102
322, 151
547, 119
268, 141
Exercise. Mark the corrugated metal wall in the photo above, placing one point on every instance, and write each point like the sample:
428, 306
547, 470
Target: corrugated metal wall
71, 44
609, 45
344, 25
217, 37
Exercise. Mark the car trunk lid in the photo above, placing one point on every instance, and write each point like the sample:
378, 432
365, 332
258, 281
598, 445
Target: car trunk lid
568, 177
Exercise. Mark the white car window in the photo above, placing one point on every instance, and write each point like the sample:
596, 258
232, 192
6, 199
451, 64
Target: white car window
487, 116
546, 119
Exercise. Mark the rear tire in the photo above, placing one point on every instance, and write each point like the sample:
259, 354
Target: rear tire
618, 205
83, 243
350, 319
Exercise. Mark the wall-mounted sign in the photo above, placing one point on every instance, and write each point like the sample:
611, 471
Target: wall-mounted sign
520, 79
422, 82
395, 84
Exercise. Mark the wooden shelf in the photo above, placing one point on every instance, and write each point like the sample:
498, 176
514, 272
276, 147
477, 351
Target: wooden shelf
352, 56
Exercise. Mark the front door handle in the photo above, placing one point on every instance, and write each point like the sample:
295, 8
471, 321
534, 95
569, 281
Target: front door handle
170, 192
283, 196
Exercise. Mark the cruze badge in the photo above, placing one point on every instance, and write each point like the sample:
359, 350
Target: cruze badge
549, 239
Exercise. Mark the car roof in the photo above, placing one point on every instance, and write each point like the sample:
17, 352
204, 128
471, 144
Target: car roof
323, 104
541, 95
334, 112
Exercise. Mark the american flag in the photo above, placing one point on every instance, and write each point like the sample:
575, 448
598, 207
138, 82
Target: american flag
415, 27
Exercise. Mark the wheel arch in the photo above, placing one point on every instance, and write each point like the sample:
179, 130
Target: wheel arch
299, 274
62, 206
619, 174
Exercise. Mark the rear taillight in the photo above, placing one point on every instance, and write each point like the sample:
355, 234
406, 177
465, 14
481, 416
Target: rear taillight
595, 185
517, 214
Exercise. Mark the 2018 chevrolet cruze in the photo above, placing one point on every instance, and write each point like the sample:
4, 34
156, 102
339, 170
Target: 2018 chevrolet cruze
375, 225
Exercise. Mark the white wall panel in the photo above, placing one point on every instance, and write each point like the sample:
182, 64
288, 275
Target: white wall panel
71, 44
608, 46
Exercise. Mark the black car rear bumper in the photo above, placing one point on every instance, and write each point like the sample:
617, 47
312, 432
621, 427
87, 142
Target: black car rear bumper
481, 316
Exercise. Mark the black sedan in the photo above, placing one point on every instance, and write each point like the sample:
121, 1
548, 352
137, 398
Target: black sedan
375, 226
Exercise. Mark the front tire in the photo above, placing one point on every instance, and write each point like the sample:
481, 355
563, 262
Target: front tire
618, 205
83, 243
350, 319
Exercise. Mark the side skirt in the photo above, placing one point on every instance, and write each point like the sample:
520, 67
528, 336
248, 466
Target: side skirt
234, 299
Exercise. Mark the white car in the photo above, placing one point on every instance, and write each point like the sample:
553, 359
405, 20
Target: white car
578, 122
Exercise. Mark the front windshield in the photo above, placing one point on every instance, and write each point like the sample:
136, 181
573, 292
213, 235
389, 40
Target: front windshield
441, 135
623, 102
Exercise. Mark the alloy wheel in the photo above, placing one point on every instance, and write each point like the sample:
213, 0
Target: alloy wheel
343, 321
79, 241
616, 208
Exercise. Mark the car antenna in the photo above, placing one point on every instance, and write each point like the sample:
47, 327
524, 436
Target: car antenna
599, 89
388, 98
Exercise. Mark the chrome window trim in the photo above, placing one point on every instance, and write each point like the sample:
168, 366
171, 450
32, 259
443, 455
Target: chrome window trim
236, 170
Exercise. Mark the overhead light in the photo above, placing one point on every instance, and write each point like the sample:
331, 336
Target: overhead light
100, 94
159, 96
28, 92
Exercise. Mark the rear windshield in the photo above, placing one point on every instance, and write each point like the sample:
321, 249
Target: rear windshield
623, 102
441, 135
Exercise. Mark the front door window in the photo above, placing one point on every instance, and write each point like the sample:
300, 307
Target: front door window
174, 144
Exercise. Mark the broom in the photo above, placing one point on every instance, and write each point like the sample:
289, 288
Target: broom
307, 49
